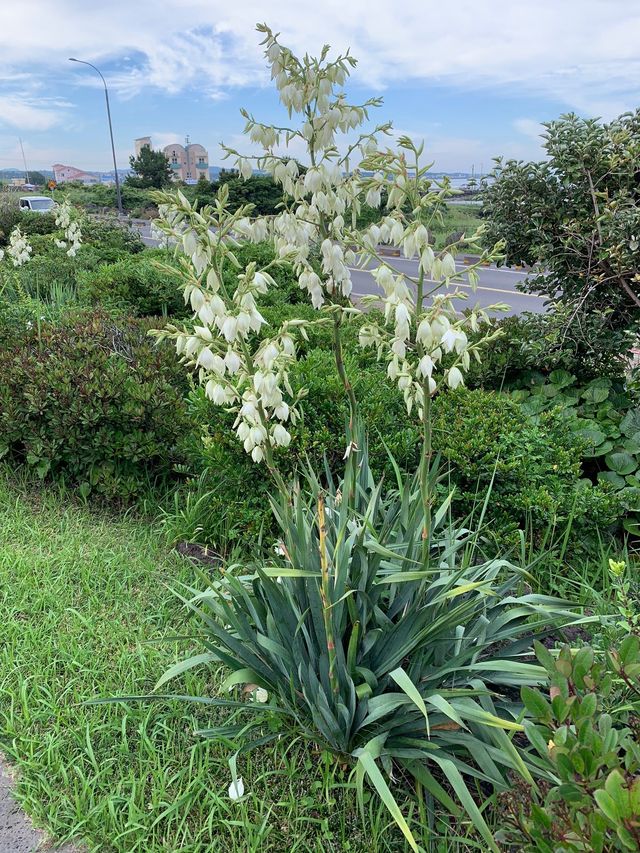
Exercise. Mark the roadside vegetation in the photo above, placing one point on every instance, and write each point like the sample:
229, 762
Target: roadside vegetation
280, 574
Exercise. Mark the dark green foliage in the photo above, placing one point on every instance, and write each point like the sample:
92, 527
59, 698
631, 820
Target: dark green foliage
583, 730
533, 469
152, 170
605, 416
137, 202
51, 271
577, 214
544, 343
37, 178
29, 222
371, 645
259, 190
286, 293
143, 285
92, 401
110, 234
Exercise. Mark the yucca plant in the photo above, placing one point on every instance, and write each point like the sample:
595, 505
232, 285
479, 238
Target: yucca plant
375, 654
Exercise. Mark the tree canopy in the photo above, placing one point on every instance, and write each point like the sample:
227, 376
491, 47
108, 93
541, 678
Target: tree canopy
151, 169
577, 214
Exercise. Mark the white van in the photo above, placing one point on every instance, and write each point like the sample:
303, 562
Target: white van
37, 203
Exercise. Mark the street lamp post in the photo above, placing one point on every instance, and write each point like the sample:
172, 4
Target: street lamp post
113, 148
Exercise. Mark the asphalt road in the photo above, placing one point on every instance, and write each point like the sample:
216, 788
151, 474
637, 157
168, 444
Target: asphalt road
494, 284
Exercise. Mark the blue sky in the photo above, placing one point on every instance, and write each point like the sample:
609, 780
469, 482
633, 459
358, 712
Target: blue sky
473, 79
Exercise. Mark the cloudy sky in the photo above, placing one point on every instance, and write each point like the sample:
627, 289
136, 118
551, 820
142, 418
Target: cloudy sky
474, 78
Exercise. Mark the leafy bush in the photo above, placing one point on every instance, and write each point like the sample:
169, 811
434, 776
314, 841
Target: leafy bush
144, 284
30, 223
92, 401
389, 649
541, 343
605, 416
110, 234
532, 469
585, 734
576, 213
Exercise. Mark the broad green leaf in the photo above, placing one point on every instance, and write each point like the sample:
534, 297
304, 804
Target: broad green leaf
630, 424
611, 477
621, 462
184, 666
405, 683
240, 676
597, 391
377, 780
536, 704
562, 378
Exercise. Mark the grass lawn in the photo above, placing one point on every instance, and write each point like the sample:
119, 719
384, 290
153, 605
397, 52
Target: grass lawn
457, 217
83, 602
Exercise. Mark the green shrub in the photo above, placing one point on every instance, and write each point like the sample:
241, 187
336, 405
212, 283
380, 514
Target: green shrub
137, 284
605, 416
583, 732
485, 439
30, 223
242, 514
535, 344
92, 401
364, 642
286, 293
533, 469
110, 234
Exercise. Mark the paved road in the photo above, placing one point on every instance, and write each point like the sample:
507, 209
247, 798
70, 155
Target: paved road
17, 833
494, 285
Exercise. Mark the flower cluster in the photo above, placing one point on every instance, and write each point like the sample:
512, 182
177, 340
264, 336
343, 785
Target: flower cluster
423, 339
72, 233
322, 194
238, 369
428, 348
18, 249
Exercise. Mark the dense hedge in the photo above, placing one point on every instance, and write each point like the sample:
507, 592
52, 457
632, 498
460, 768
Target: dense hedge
91, 400
533, 469
484, 438
144, 285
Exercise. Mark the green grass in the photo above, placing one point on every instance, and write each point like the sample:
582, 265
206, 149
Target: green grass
83, 601
458, 217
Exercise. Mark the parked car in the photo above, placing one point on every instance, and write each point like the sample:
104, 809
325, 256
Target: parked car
37, 203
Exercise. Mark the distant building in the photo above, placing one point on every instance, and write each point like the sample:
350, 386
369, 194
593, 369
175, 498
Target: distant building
63, 174
188, 162
142, 142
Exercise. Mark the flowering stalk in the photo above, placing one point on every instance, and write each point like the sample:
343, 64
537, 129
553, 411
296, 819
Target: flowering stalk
423, 339
72, 233
421, 333
247, 375
319, 196
18, 249
325, 595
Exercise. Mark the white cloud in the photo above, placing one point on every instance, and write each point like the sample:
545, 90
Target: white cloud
583, 52
22, 112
